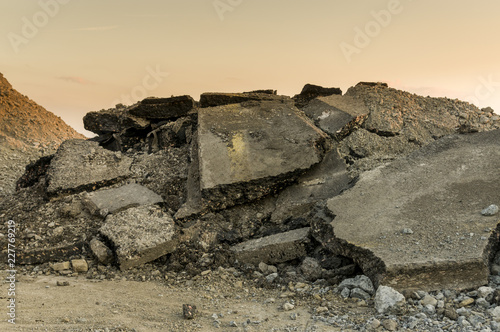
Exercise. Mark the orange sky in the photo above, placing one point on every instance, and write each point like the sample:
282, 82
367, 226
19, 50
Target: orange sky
76, 56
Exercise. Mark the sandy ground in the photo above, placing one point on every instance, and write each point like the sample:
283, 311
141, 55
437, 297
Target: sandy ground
91, 305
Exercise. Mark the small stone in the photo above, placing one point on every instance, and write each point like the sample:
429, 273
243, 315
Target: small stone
466, 302
188, 311
495, 314
407, 231
293, 316
495, 269
451, 313
346, 292
375, 324
484, 292
101, 251
238, 284
206, 272
428, 300
390, 324
490, 210
270, 278
358, 293
233, 324
300, 285
481, 302
263, 267
429, 309
80, 265
360, 281
288, 306
61, 266
63, 283
320, 310
270, 300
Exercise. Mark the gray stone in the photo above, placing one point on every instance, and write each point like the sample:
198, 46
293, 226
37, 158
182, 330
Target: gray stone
212, 99
389, 301
247, 151
368, 217
103, 254
311, 269
428, 300
271, 277
163, 108
273, 249
429, 309
495, 313
390, 324
490, 210
118, 199
358, 293
360, 281
484, 291
80, 165
345, 293
112, 121
140, 235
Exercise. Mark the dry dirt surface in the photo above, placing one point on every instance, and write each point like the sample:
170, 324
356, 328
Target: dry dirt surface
224, 303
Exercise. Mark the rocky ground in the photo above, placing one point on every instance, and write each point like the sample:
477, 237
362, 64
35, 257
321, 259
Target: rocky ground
217, 229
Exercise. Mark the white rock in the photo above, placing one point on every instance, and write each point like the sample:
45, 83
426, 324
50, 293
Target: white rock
484, 292
389, 301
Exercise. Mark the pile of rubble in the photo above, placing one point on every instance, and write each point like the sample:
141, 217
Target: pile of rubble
377, 181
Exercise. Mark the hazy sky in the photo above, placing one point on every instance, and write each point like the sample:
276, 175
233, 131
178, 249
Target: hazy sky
76, 56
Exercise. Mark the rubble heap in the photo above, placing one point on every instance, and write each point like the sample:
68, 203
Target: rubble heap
373, 180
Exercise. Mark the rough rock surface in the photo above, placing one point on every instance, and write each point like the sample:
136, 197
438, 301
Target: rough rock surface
140, 235
437, 193
79, 165
247, 151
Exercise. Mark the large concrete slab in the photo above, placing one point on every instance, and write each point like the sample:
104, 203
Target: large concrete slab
273, 249
140, 235
249, 150
80, 165
417, 223
121, 198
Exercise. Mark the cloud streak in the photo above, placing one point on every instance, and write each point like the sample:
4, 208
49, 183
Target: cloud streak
75, 79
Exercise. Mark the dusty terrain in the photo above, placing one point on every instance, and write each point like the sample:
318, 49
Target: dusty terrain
95, 305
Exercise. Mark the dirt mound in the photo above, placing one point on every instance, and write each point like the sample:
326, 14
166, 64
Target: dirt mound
24, 120
27, 131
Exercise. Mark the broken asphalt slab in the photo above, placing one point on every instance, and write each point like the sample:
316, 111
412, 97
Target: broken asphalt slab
273, 249
163, 108
417, 223
80, 165
247, 151
212, 99
117, 199
140, 235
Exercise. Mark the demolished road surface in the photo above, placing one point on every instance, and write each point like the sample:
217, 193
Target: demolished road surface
417, 223
249, 150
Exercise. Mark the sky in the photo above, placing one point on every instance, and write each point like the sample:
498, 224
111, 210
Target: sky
78, 56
